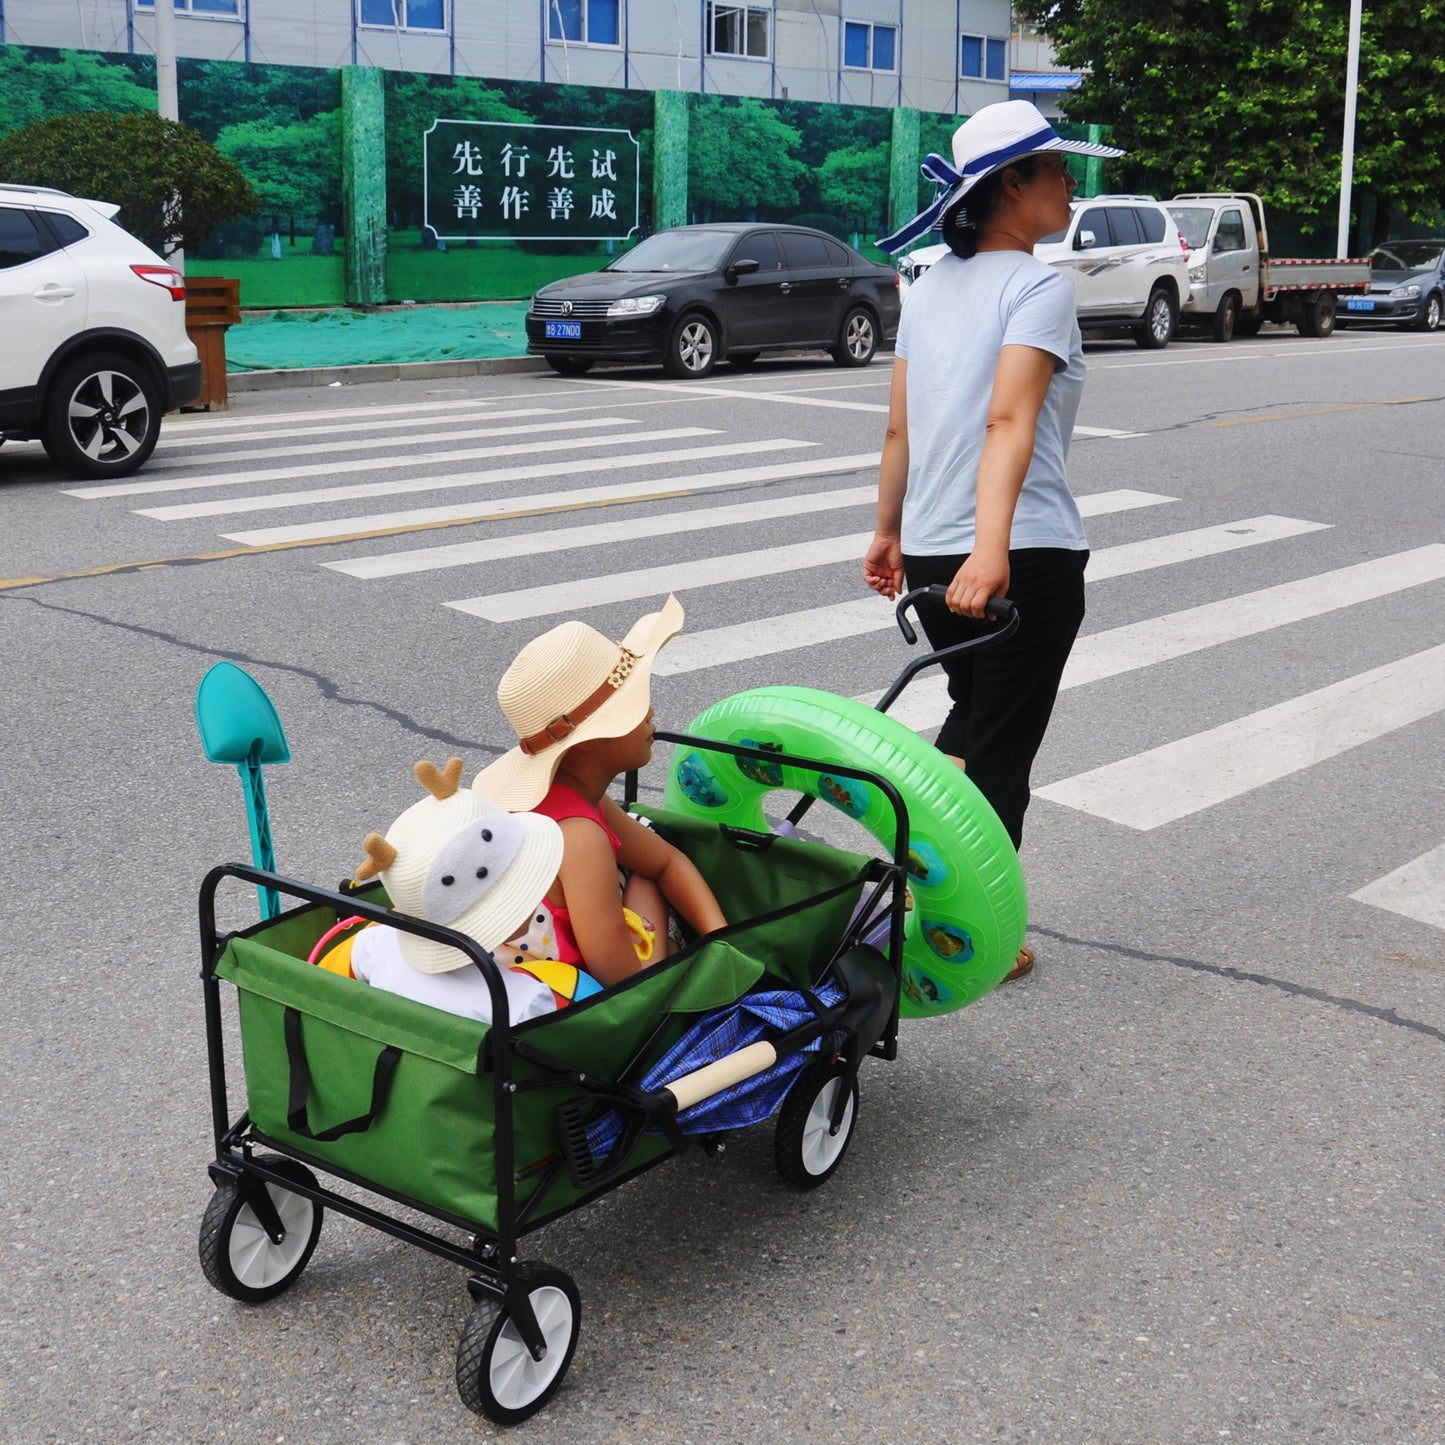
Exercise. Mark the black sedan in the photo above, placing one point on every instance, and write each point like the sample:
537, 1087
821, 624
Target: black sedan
691, 296
1407, 286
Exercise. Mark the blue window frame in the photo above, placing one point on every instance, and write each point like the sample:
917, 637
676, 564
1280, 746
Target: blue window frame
983, 57
225, 9
585, 22
869, 47
404, 14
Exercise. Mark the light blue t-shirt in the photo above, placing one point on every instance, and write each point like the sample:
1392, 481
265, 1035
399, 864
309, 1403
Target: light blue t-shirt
958, 316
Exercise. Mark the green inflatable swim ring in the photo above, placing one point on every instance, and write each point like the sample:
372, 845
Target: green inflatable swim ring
969, 908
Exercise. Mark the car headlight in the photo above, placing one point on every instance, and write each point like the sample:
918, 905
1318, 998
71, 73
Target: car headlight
635, 306
1405, 293
1199, 270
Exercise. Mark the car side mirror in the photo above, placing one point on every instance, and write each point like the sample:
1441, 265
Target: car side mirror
1084, 241
744, 266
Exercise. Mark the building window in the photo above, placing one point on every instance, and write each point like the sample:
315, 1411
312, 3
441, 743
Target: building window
404, 14
983, 58
226, 9
869, 47
587, 22
739, 30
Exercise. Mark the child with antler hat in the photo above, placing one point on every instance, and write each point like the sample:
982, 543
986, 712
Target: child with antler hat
582, 710
458, 859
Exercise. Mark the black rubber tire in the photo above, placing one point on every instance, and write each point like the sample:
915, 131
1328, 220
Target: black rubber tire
692, 349
804, 1150
743, 359
496, 1376
569, 365
1161, 320
1247, 323
1317, 317
1226, 318
1430, 313
237, 1257
102, 416
858, 339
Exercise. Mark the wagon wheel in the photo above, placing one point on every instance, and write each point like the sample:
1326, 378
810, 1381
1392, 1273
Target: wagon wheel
496, 1373
805, 1149
238, 1256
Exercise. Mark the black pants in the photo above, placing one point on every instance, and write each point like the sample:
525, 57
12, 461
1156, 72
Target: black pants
1003, 694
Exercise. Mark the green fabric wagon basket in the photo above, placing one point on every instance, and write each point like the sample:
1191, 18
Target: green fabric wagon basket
404, 1098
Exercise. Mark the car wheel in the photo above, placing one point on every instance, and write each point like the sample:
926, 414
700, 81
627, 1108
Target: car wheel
1227, 317
1429, 319
858, 340
1161, 316
569, 365
742, 359
102, 416
692, 348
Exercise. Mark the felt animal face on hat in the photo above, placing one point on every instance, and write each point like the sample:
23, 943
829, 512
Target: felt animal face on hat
458, 859
566, 687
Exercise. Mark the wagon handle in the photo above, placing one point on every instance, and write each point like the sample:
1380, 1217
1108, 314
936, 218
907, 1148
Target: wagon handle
996, 609
999, 609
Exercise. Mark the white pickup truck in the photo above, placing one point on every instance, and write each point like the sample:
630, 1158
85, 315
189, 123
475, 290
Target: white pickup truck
1235, 285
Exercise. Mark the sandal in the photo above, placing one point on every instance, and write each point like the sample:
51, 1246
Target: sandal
1023, 964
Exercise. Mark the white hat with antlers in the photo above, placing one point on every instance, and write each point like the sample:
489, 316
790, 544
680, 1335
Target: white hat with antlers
458, 859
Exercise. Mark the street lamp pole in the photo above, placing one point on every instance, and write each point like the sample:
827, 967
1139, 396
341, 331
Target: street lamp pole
1347, 156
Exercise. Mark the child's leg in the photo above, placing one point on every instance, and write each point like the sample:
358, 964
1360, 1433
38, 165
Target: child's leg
644, 897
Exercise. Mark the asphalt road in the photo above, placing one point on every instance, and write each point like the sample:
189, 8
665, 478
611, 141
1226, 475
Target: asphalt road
1181, 1184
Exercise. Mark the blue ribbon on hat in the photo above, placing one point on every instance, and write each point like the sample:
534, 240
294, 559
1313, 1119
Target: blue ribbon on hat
943, 175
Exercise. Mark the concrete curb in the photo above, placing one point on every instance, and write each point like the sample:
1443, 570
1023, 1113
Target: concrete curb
388, 371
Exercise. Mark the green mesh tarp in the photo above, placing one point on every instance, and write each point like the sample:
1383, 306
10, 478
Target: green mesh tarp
288, 340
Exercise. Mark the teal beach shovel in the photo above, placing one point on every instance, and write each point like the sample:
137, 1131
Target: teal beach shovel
238, 724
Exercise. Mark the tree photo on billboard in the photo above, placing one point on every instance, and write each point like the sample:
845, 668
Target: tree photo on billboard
504, 181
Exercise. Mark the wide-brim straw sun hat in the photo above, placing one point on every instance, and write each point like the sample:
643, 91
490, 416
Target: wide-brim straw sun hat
566, 687
994, 137
460, 859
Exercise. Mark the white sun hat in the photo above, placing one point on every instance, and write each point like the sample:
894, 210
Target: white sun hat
994, 137
567, 686
461, 860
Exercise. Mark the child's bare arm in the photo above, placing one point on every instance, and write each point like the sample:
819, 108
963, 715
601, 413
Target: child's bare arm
589, 887
674, 872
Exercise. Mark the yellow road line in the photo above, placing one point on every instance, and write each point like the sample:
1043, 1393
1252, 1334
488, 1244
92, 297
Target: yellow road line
11, 583
1321, 411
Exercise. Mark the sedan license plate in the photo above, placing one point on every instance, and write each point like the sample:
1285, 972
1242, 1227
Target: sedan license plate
563, 330
1358, 303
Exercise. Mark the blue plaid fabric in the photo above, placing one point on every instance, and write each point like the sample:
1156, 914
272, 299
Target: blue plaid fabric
715, 1036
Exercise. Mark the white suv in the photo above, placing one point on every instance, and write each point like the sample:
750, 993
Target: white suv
94, 323
1127, 260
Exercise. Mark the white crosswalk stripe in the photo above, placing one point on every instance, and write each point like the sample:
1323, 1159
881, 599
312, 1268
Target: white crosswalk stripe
534, 503
376, 464
1415, 891
584, 592
599, 534
332, 446
1185, 776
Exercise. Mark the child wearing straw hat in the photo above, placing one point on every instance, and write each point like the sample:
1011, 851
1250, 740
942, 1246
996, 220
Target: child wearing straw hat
581, 707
